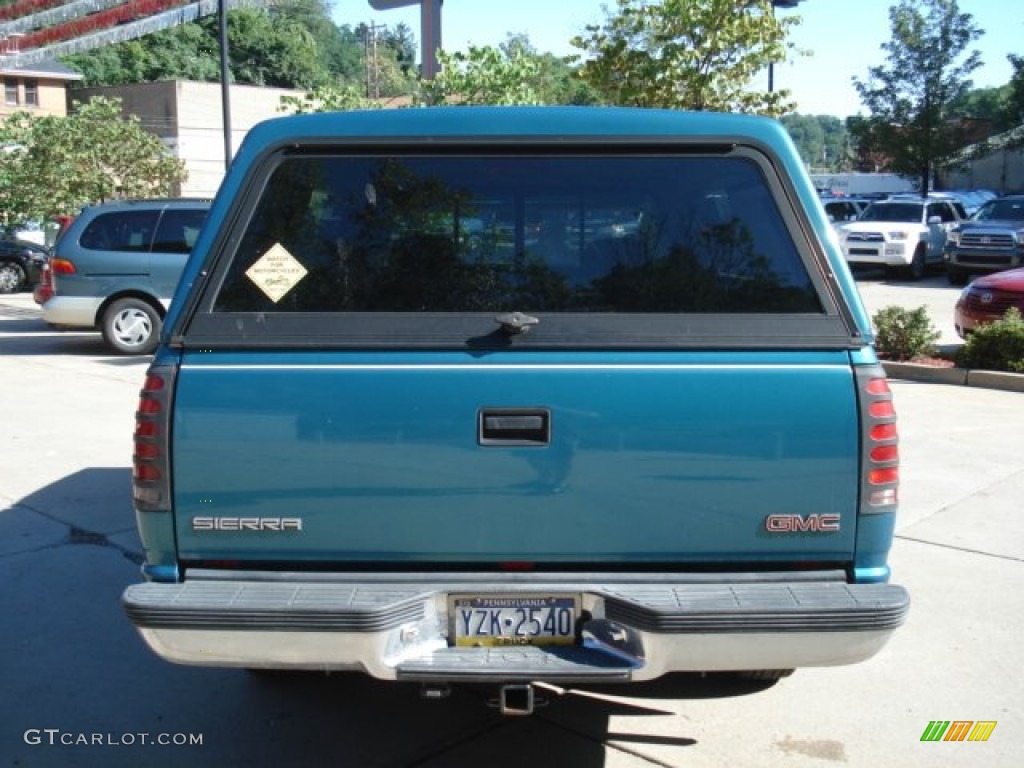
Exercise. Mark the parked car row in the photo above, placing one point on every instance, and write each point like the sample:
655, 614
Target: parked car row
975, 233
907, 234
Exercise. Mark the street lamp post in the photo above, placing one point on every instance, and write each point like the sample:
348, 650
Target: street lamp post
771, 64
225, 79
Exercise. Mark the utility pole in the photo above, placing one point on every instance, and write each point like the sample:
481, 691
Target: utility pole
371, 55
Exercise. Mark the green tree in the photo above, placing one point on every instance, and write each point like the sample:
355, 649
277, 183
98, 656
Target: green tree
822, 140
687, 54
482, 75
910, 97
989, 104
1015, 97
402, 44
186, 52
387, 67
18, 201
268, 51
328, 98
292, 45
556, 80
56, 164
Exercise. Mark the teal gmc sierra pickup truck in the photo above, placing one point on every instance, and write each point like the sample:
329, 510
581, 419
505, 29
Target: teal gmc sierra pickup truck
516, 396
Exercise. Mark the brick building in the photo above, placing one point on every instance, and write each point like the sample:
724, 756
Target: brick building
40, 88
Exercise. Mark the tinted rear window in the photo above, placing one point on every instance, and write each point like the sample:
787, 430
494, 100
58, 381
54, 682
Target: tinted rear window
536, 233
178, 230
120, 231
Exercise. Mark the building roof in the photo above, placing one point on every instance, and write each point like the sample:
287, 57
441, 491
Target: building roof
50, 68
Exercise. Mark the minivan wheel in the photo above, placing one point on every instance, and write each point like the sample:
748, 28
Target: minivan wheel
12, 277
131, 326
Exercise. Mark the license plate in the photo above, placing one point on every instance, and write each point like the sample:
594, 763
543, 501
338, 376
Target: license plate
488, 620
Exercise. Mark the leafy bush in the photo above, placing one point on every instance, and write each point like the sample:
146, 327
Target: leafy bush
997, 346
903, 334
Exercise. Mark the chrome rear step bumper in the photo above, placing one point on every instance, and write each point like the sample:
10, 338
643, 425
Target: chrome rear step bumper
396, 628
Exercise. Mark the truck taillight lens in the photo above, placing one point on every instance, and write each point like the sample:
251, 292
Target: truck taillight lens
151, 460
880, 456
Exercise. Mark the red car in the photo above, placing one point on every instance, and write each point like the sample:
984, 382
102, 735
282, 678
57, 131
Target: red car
987, 299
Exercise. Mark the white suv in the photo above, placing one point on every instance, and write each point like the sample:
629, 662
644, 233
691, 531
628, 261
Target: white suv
901, 234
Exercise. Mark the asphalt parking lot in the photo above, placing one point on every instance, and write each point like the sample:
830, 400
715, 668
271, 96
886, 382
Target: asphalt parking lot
79, 688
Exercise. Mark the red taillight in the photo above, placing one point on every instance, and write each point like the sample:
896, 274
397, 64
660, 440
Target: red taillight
62, 266
146, 473
43, 290
880, 456
885, 453
146, 450
882, 409
877, 387
883, 432
148, 406
150, 473
883, 476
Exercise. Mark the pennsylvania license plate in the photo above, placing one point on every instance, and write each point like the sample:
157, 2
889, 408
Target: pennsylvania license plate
489, 620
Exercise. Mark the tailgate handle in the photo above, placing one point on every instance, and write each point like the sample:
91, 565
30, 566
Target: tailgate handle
514, 426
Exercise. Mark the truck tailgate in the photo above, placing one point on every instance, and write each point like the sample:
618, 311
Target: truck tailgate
464, 458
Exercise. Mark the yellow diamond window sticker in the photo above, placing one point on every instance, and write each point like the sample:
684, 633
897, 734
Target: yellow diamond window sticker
276, 272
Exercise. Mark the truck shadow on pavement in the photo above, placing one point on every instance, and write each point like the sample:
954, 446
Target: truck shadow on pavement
92, 505
574, 729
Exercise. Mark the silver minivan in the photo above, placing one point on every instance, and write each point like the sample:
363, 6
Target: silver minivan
116, 266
